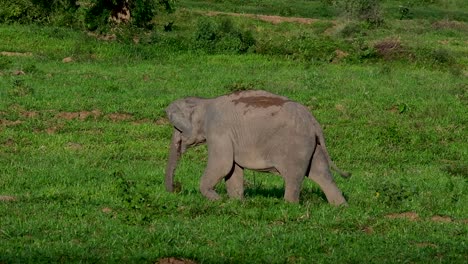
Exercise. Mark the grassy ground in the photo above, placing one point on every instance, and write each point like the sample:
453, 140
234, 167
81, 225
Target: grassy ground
83, 147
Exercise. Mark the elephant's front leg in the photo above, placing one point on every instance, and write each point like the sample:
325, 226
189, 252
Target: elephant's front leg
220, 163
235, 182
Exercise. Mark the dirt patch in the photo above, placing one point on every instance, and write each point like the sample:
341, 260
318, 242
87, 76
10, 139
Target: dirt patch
266, 18
441, 219
106, 210
339, 56
9, 143
368, 230
7, 198
412, 216
162, 121
52, 130
6, 122
175, 261
82, 115
74, 146
18, 72
119, 117
29, 114
447, 24
16, 54
67, 60
426, 244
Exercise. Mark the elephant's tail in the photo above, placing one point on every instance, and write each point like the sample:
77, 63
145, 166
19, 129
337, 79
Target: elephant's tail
321, 141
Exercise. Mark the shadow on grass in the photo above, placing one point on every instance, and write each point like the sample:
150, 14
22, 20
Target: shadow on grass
275, 192
278, 192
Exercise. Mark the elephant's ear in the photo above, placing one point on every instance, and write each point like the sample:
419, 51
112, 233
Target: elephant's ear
179, 115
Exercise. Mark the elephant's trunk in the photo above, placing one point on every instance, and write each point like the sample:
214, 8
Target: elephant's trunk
174, 155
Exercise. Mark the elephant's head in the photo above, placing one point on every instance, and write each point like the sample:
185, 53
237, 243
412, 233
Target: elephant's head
187, 117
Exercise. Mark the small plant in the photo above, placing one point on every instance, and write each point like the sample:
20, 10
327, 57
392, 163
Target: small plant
393, 193
405, 12
442, 56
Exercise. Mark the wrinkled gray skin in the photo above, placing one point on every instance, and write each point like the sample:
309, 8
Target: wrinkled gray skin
254, 130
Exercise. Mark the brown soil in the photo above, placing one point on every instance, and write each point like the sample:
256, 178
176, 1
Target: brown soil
426, 244
16, 54
29, 114
441, 219
82, 115
7, 198
175, 261
6, 122
271, 19
119, 117
412, 216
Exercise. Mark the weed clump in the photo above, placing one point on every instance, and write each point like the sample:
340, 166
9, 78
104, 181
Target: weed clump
390, 49
394, 193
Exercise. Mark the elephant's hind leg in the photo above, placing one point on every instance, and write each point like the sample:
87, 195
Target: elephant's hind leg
293, 174
235, 182
220, 163
320, 173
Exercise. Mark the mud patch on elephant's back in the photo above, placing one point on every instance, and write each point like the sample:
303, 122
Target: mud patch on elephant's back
260, 101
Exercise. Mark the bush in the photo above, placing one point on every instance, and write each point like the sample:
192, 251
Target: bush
369, 11
222, 37
35, 11
138, 12
390, 49
94, 13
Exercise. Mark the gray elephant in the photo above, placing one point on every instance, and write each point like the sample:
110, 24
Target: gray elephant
255, 130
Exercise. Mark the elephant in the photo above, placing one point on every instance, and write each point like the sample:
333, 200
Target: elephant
252, 129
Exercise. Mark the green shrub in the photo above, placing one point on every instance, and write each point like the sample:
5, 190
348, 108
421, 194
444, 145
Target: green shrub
352, 29
36, 11
222, 37
369, 11
435, 57
394, 192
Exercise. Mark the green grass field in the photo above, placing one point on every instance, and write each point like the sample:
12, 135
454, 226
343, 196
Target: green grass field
84, 144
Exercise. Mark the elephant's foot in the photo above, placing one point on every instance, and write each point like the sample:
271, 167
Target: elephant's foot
210, 195
337, 200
